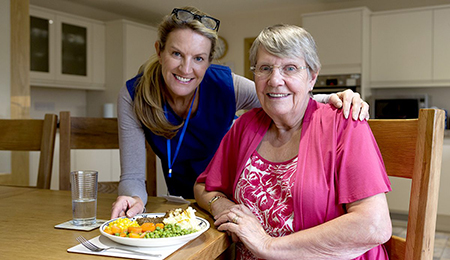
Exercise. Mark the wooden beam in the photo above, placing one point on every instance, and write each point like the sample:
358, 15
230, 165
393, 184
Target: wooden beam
20, 81
20, 59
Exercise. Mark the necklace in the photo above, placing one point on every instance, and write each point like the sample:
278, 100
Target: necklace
183, 131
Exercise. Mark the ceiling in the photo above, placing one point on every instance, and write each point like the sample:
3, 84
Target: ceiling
152, 11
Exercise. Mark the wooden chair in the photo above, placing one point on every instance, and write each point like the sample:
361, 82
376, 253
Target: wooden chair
412, 148
94, 133
32, 135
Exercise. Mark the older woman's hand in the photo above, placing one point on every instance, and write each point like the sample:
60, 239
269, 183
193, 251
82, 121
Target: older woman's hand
347, 99
241, 222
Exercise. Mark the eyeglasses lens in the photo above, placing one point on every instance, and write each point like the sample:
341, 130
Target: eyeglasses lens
208, 22
265, 71
187, 16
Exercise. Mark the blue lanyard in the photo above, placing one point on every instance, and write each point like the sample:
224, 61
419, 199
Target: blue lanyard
183, 131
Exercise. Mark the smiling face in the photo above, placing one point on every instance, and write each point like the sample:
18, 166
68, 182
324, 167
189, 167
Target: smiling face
184, 61
283, 98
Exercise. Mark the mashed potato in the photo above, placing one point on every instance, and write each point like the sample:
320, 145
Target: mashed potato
184, 218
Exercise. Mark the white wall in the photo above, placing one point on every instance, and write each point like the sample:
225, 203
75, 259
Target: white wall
53, 100
238, 27
5, 58
5, 75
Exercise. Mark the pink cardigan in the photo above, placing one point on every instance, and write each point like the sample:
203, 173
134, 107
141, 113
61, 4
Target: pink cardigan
338, 162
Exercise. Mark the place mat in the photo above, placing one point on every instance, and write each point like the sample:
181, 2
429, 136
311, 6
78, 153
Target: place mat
70, 225
102, 241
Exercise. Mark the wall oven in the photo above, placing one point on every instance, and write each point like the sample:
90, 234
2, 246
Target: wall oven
328, 84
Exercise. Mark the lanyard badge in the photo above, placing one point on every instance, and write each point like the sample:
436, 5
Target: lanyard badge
183, 131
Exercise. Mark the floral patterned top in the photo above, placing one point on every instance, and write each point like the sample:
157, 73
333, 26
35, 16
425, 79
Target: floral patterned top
265, 188
338, 163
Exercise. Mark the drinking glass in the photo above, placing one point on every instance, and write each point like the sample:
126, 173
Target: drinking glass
84, 197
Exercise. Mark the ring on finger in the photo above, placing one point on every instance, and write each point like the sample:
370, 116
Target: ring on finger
235, 219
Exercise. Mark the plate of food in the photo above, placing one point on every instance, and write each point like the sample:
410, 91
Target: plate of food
156, 229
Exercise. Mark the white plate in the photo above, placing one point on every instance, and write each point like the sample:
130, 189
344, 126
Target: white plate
155, 242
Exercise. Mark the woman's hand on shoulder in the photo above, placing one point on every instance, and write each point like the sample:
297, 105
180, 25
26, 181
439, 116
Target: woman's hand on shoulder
347, 99
127, 206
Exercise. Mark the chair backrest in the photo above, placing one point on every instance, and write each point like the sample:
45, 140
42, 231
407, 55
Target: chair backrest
412, 148
94, 133
32, 135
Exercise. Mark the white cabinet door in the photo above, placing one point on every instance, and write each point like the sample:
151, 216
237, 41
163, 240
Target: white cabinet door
103, 161
441, 45
137, 52
42, 45
99, 57
73, 50
339, 38
67, 51
401, 48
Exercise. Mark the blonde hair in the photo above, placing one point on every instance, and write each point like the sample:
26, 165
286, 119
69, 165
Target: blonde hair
149, 96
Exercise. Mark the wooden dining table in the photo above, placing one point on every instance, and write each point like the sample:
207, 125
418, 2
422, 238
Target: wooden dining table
28, 216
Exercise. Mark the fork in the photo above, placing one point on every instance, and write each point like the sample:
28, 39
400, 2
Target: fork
86, 243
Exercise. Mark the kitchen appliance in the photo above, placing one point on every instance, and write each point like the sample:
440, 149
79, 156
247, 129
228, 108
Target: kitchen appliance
398, 106
328, 84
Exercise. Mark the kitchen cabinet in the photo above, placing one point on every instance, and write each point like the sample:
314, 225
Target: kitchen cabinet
128, 46
66, 51
401, 47
410, 48
441, 46
341, 37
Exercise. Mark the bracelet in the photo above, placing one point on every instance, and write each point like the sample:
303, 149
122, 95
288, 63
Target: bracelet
214, 199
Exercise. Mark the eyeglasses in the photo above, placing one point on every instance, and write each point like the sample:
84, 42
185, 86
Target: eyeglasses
187, 16
264, 71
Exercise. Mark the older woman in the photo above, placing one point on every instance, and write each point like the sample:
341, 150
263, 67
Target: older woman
294, 179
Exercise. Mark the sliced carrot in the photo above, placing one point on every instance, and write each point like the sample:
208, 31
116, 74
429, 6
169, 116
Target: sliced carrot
108, 230
116, 229
123, 234
160, 225
134, 235
148, 227
136, 230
